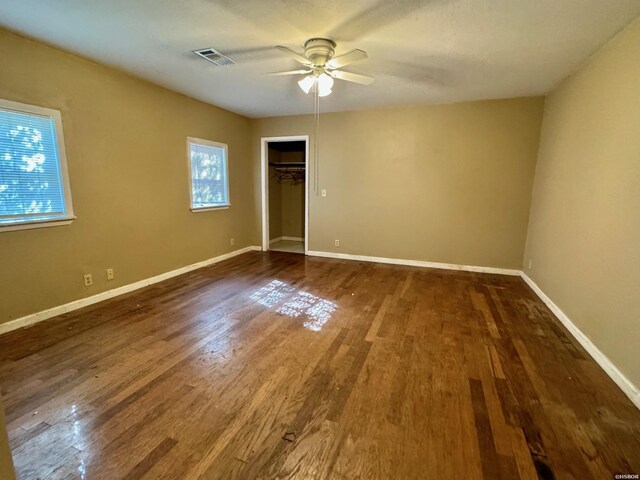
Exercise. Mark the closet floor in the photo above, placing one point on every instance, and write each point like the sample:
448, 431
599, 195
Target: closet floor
290, 246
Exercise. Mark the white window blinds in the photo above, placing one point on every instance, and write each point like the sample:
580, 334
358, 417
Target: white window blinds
32, 184
209, 177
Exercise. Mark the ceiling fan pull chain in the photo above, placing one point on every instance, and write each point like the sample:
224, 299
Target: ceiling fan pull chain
316, 140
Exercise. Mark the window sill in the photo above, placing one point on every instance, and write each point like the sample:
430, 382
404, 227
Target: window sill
56, 222
208, 209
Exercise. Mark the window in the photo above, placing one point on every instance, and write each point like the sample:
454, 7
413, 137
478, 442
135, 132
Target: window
209, 178
34, 186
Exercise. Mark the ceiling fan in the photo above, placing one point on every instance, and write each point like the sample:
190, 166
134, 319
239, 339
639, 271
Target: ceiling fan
322, 66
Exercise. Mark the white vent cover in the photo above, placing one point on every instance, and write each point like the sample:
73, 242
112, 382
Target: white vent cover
214, 56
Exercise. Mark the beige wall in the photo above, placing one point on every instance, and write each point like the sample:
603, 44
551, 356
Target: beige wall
584, 234
125, 144
6, 462
448, 183
293, 209
293, 201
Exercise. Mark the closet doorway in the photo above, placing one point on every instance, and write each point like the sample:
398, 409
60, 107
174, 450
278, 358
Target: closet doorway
285, 197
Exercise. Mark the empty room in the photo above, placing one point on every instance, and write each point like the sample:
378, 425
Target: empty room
273, 239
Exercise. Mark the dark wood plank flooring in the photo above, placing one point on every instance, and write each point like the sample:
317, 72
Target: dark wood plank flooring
276, 365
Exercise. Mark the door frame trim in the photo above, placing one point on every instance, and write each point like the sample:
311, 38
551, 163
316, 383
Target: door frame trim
264, 173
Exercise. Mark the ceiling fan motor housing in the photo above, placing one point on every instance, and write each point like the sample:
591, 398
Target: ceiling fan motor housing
319, 50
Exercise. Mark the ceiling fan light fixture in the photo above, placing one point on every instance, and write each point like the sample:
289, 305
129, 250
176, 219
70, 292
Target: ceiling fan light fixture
319, 60
325, 82
307, 83
322, 82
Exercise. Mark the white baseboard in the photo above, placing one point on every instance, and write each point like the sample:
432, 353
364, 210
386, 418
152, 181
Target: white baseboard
83, 302
629, 389
415, 263
291, 239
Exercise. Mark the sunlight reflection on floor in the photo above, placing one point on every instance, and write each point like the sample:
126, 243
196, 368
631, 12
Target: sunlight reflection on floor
82, 468
318, 310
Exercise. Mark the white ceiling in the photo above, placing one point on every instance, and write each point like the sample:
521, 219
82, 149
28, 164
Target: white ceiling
420, 51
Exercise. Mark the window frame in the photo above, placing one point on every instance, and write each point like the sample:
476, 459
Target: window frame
56, 116
208, 143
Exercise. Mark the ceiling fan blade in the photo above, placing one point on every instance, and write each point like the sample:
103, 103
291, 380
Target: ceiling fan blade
346, 59
289, 72
352, 77
296, 56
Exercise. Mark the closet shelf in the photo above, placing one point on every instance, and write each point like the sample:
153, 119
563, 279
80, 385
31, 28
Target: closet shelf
278, 165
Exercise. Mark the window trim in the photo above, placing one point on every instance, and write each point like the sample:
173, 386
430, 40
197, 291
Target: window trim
62, 165
208, 143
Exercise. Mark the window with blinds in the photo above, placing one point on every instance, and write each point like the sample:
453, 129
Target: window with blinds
34, 187
209, 174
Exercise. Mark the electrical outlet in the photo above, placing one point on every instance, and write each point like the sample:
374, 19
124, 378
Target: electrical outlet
530, 263
110, 274
323, 193
88, 280
232, 242
337, 243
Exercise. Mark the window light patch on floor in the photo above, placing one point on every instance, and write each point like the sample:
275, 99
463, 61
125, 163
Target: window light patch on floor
317, 310
319, 313
272, 293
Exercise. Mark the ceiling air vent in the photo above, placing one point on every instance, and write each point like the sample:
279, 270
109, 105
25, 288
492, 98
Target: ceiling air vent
214, 56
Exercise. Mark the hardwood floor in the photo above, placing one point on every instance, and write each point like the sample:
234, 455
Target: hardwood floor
277, 365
